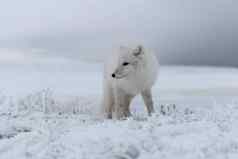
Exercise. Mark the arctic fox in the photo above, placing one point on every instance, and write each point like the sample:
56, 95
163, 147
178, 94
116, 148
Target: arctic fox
129, 72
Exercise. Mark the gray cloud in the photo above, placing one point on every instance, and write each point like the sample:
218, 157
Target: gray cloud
181, 32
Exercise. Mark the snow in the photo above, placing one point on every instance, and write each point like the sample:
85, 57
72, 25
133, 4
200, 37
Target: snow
51, 113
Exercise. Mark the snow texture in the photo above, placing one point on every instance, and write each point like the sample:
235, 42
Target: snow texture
53, 115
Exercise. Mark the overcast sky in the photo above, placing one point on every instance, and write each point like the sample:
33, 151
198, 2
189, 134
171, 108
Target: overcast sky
180, 31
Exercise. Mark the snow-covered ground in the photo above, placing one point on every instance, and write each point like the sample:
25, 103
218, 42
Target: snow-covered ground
50, 112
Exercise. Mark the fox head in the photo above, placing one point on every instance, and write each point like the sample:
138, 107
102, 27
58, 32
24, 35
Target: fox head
128, 61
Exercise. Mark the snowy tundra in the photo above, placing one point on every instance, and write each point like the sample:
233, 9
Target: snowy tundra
61, 123
127, 73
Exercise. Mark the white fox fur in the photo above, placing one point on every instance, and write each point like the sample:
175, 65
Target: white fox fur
127, 73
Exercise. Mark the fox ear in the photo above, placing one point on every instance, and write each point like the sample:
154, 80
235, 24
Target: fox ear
138, 51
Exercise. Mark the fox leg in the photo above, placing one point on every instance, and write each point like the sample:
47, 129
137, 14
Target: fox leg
147, 97
127, 101
108, 102
122, 103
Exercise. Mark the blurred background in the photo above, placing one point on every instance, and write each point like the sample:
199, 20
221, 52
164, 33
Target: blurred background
181, 32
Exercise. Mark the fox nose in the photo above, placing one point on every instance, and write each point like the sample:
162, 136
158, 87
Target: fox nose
113, 75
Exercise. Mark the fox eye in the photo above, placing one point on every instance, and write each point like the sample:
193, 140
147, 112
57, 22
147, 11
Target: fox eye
125, 64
